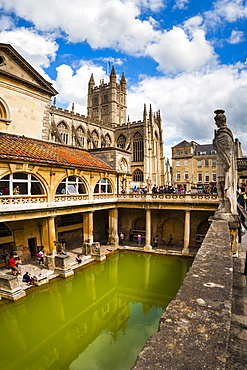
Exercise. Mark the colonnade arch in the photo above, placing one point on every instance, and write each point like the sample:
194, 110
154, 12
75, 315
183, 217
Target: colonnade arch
175, 227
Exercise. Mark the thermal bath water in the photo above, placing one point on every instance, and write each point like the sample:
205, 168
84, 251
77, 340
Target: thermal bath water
98, 319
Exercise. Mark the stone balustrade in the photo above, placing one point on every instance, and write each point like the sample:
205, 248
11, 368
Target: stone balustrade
26, 203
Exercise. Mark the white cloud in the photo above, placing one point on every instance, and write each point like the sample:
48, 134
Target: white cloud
188, 101
236, 37
38, 50
6, 23
153, 5
102, 23
178, 50
226, 10
180, 4
72, 84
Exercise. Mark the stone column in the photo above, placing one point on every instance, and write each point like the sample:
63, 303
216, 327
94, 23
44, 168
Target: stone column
88, 227
52, 234
186, 232
148, 245
113, 227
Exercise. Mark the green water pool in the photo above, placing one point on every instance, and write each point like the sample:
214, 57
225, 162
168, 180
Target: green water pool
98, 319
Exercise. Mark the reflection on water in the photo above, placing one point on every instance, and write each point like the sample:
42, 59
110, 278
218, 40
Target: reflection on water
98, 319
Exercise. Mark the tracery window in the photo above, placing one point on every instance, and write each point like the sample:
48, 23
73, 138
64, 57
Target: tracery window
95, 138
121, 141
80, 134
71, 185
63, 131
138, 152
20, 183
107, 140
138, 175
103, 186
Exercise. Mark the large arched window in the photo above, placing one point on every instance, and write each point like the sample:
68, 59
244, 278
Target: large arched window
107, 140
138, 152
121, 141
103, 186
63, 131
71, 185
20, 183
138, 175
95, 139
80, 135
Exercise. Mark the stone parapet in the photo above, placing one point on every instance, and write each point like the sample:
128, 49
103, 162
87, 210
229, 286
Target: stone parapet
194, 331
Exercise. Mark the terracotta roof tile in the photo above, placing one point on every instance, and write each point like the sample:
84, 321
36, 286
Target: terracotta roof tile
31, 150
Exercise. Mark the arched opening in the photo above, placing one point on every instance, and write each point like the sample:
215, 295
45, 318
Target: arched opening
103, 186
95, 139
121, 141
175, 227
20, 183
138, 152
71, 185
139, 224
80, 136
138, 175
107, 140
63, 131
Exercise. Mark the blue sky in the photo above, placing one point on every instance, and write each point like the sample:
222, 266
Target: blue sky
185, 57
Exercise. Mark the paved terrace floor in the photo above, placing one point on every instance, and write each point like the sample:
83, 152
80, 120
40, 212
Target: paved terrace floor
237, 348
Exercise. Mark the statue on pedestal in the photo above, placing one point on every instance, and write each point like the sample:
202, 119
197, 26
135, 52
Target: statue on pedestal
224, 145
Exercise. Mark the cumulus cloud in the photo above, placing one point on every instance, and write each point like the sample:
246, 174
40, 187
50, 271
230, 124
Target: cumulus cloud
178, 50
38, 50
236, 37
226, 10
180, 4
72, 84
188, 101
102, 23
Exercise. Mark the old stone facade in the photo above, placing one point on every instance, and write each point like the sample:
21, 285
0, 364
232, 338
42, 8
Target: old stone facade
194, 166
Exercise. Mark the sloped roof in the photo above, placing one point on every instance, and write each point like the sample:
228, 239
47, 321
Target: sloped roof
182, 144
41, 83
14, 147
204, 148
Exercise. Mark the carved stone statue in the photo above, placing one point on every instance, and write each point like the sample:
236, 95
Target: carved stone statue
224, 144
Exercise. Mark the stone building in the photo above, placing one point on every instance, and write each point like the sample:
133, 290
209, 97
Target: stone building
61, 173
194, 165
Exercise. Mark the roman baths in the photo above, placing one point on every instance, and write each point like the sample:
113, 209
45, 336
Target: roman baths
117, 273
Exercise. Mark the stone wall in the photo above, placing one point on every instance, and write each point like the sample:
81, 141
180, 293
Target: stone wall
194, 331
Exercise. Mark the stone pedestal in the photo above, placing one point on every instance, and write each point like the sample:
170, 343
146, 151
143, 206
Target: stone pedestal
40, 279
49, 261
10, 288
86, 249
97, 252
147, 248
62, 266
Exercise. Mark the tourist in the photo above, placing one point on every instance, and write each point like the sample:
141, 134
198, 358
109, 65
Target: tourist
13, 266
6, 257
139, 239
16, 190
27, 278
170, 240
40, 256
155, 241
78, 259
121, 238
18, 264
